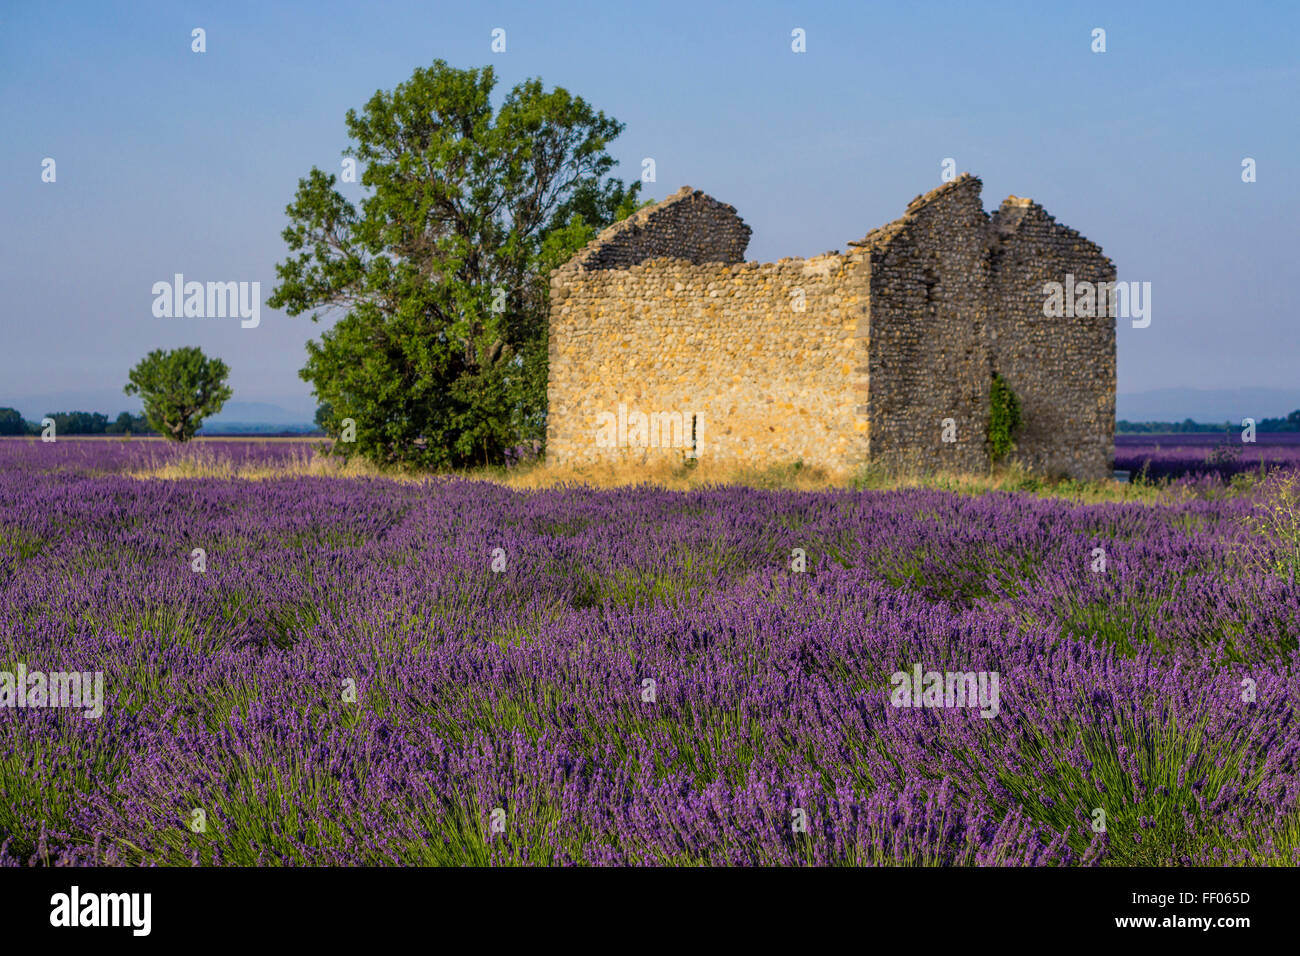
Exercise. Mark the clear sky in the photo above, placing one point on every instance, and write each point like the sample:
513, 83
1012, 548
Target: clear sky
173, 161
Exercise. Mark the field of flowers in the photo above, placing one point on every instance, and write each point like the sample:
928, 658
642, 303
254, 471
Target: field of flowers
378, 672
1205, 453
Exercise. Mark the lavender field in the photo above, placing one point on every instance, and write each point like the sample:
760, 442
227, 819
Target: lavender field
456, 672
1205, 453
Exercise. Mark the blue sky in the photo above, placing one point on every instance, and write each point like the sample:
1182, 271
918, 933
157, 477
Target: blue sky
171, 161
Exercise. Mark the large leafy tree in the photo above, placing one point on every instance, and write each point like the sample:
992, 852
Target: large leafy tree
179, 389
440, 357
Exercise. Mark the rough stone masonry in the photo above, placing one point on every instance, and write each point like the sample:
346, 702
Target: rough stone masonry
664, 342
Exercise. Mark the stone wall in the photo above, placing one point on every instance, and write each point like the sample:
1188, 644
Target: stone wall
836, 360
927, 355
721, 344
687, 225
1062, 369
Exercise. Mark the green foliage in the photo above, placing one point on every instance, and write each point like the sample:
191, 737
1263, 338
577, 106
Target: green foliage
1004, 418
12, 422
73, 423
128, 424
78, 423
1290, 423
440, 357
1186, 426
179, 389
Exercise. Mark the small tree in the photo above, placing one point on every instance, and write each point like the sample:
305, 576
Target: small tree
1004, 418
179, 389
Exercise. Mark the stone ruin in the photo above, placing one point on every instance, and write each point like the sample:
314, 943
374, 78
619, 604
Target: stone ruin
664, 342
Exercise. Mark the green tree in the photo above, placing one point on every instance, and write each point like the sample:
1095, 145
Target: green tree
1289, 424
128, 424
179, 389
79, 423
12, 422
440, 357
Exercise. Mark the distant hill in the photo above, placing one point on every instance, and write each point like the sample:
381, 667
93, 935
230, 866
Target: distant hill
235, 417
256, 428
255, 417
1213, 406
262, 413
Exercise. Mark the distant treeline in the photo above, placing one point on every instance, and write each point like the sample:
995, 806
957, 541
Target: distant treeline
94, 423
1289, 424
75, 423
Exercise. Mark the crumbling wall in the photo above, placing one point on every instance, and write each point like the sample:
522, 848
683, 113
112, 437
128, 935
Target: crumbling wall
687, 225
927, 356
1061, 369
663, 343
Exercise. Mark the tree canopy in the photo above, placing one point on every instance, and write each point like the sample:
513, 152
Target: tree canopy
179, 389
440, 357
12, 422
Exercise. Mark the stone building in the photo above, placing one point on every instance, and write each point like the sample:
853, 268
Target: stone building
664, 342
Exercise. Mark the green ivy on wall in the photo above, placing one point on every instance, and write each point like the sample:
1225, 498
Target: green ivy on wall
1004, 418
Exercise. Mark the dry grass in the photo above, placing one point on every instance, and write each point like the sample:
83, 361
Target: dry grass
675, 476
200, 462
1275, 545
798, 477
